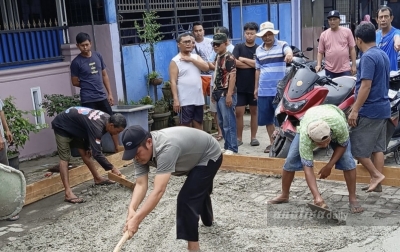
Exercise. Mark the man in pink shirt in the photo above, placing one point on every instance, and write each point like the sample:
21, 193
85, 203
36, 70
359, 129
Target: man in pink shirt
338, 45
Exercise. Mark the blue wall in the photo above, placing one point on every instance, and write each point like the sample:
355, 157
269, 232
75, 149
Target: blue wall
259, 14
136, 70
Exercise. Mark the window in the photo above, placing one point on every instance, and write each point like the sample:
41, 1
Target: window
37, 101
78, 12
175, 17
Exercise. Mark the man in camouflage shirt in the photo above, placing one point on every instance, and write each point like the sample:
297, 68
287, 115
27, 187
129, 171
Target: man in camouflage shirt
321, 126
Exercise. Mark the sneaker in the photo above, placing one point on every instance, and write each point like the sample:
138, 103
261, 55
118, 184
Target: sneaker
229, 152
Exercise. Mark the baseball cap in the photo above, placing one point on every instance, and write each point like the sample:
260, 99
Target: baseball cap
333, 13
266, 27
318, 131
219, 38
132, 137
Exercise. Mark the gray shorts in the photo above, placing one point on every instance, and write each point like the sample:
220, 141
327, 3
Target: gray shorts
367, 137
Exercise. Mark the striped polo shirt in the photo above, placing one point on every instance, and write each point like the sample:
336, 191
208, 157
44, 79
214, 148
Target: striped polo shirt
272, 67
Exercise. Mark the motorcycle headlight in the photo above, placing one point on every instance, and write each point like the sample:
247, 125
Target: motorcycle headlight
293, 106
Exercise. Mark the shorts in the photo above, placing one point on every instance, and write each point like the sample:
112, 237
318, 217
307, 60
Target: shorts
335, 75
368, 136
266, 110
244, 99
191, 113
64, 145
102, 105
206, 80
293, 161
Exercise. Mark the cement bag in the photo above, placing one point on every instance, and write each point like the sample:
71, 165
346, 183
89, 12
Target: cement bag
12, 191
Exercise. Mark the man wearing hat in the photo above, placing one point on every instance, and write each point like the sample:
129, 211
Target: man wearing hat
321, 126
337, 44
271, 58
173, 151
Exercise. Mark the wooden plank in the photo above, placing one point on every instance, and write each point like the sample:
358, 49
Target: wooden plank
52, 185
273, 166
121, 180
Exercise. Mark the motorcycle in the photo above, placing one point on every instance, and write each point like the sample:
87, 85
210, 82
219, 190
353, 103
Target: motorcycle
305, 90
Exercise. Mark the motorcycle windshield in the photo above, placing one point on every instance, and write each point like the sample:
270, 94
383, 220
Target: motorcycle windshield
302, 82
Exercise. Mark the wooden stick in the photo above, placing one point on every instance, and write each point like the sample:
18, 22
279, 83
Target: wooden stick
121, 242
121, 180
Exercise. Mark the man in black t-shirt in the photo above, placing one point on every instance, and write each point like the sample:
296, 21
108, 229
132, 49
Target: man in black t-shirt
82, 128
245, 79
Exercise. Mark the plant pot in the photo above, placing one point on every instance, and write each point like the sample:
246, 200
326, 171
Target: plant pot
156, 81
167, 93
207, 125
177, 120
160, 121
158, 110
13, 160
151, 121
150, 115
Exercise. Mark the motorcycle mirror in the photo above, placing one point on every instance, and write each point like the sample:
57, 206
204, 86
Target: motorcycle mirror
309, 49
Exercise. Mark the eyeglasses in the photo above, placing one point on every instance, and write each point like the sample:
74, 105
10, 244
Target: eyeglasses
187, 42
215, 44
384, 17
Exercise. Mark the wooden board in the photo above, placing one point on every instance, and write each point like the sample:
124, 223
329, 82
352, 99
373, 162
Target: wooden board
121, 180
52, 185
273, 166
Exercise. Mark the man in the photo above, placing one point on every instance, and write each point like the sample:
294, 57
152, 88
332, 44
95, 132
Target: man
82, 128
245, 79
321, 126
88, 72
5, 137
173, 151
224, 92
336, 43
211, 61
271, 59
388, 37
184, 70
371, 110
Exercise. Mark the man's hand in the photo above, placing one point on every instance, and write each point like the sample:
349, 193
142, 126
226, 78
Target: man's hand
186, 58
177, 106
110, 100
2, 143
228, 100
132, 226
131, 214
352, 119
288, 58
353, 69
116, 171
9, 136
397, 44
256, 94
325, 172
318, 68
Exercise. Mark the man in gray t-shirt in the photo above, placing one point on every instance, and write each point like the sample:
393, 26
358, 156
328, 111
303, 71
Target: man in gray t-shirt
5, 136
173, 151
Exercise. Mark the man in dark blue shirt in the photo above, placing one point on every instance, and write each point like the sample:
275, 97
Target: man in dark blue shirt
371, 109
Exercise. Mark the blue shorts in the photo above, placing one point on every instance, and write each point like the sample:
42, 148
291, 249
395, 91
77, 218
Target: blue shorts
266, 110
293, 160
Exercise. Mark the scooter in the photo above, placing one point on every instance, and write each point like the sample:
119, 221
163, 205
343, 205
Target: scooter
305, 90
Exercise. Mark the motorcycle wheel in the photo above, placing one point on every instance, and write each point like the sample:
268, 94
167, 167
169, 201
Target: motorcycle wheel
280, 147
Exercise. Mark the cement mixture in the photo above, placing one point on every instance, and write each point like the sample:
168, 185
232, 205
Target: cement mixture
240, 214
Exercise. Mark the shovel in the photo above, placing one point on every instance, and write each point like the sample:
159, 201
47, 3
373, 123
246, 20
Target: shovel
326, 213
121, 242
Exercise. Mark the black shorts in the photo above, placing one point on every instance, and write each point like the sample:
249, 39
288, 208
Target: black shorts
102, 105
244, 99
191, 113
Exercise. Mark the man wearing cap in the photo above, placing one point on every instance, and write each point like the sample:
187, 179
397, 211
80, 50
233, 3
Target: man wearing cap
173, 151
321, 126
337, 44
271, 58
224, 92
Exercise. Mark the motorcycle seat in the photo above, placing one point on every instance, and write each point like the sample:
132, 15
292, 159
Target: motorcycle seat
337, 94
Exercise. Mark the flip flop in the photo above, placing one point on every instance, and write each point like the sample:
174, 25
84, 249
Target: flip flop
14, 218
378, 188
75, 200
267, 149
324, 210
277, 201
354, 207
239, 142
105, 182
254, 142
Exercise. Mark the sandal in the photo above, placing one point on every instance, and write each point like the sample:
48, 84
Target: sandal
267, 149
254, 142
14, 218
105, 182
75, 200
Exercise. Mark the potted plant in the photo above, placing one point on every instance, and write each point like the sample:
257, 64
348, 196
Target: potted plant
161, 114
148, 101
20, 127
149, 34
154, 78
166, 90
207, 121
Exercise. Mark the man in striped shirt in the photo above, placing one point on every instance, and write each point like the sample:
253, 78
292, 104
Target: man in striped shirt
271, 58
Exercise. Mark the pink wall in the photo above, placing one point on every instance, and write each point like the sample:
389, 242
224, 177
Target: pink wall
52, 79
103, 46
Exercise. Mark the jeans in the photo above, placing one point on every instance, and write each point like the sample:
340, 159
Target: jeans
227, 123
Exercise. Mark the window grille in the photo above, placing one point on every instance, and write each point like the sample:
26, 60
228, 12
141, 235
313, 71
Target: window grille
78, 12
249, 2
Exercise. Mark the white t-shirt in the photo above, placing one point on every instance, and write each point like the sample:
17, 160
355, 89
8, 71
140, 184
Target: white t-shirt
206, 47
189, 84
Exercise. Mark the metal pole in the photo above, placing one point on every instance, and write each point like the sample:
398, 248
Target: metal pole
241, 20
269, 10
122, 55
91, 18
277, 7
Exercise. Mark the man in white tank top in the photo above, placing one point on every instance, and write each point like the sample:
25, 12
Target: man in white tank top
186, 85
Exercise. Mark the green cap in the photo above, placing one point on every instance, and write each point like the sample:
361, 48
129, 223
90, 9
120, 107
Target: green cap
219, 38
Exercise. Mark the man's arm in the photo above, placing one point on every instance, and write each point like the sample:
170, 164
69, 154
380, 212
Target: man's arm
7, 131
106, 82
245, 63
397, 42
362, 96
320, 56
257, 78
138, 194
353, 57
173, 78
74, 74
75, 81
198, 62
